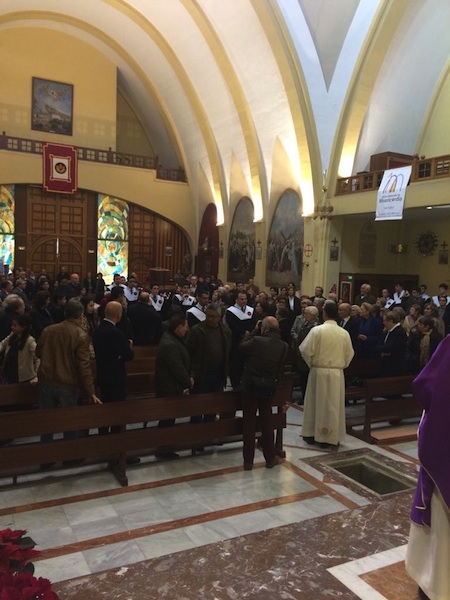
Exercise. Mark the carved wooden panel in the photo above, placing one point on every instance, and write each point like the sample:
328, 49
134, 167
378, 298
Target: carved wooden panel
154, 242
57, 231
43, 218
72, 220
52, 253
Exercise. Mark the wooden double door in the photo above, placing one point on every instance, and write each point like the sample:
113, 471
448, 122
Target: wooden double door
61, 232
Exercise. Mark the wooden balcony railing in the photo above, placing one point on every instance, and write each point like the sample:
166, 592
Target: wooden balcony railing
422, 170
110, 156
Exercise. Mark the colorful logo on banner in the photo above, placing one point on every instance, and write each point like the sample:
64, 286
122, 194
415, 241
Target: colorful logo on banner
60, 168
391, 194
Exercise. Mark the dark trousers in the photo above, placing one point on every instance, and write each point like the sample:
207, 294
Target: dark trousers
213, 382
111, 395
53, 396
235, 367
251, 404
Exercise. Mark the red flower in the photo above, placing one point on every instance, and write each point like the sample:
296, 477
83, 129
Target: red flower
16, 569
25, 587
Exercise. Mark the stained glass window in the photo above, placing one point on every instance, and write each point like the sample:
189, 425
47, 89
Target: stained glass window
112, 245
7, 225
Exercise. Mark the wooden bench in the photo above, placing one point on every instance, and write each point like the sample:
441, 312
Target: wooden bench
141, 375
27, 452
357, 371
143, 351
390, 400
19, 395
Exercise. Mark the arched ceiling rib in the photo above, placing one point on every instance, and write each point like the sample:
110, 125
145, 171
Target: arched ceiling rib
410, 74
217, 83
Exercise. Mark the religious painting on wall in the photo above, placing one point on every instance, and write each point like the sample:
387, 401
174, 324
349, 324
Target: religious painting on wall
112, 244
241, 248
285, 242
52, 106
7, 225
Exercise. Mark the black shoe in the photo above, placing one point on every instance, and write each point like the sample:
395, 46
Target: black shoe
273, 463
73, 463
248, 466
133, 460
327, 447
167, 455
309, 440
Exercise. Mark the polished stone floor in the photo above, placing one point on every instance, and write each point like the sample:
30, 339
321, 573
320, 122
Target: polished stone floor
202, 527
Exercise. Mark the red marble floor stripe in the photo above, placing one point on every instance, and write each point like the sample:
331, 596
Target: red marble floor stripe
177, 524
121, 490
320, 485
392, 582
400, 453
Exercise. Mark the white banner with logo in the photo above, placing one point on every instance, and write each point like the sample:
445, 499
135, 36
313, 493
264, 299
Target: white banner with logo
391, 194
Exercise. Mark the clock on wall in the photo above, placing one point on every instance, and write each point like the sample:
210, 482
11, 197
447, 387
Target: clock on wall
427, 243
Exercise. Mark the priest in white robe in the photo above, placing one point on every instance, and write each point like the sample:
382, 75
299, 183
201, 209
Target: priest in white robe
327, 350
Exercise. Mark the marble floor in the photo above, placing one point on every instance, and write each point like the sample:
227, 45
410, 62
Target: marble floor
202, 527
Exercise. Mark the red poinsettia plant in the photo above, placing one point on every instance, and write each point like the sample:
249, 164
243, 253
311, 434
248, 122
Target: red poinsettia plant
17, 581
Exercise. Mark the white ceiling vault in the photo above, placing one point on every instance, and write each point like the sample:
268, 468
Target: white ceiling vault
221, 84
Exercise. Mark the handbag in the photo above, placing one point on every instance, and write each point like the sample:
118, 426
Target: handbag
263, 386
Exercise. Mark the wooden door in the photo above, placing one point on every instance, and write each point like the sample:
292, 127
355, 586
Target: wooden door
52, 253
57, 232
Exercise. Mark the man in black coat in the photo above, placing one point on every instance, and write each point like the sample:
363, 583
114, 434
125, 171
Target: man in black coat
393, 346
348, 322
265, 353
208, 344
173, 374
145, 322
241, 320
112, 349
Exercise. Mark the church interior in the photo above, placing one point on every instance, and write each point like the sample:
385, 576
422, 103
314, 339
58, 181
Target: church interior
244, 139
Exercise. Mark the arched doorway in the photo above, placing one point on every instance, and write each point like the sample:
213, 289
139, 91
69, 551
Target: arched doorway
51, 253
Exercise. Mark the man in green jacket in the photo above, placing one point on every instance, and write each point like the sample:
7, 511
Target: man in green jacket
208, 344
172, 376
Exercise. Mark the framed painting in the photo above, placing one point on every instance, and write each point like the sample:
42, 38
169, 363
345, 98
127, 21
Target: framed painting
285, 242
241, 246
52, 106
346, 291
334, 253
443, 257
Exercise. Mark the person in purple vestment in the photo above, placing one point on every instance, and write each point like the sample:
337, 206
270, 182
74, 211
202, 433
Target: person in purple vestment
428, 554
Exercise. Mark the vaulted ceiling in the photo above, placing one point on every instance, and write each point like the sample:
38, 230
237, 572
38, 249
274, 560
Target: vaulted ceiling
220, 83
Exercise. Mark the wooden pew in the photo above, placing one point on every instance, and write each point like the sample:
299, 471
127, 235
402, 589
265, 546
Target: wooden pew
357, 371
397, 404
143, 351
142, 364
28, 452
141, 375
19, 395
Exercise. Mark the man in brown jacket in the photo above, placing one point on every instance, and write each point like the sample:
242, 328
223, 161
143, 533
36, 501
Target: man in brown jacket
65, 373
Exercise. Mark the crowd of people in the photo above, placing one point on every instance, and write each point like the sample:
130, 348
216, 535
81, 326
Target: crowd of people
199, 327
211, 336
